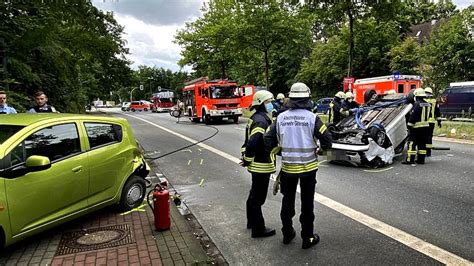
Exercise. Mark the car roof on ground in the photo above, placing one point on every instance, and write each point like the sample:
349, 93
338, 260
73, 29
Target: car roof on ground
25, 119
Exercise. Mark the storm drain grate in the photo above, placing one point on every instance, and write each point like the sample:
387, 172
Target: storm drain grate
94, 238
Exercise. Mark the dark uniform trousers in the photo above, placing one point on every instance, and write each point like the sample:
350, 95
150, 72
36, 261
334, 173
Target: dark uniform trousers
417, 141
429, 142
289, 183
257, 197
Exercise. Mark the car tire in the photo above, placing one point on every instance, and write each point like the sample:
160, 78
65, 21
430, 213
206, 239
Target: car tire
368, 94
146, 110
133, 109
133, 193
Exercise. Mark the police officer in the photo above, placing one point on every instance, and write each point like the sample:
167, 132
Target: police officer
295, 131
42, 105
418, 129
336, 112
4, 108
259, 162
435, 116
349, 102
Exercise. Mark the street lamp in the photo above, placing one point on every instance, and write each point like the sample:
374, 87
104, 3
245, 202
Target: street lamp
131, 94
151, 92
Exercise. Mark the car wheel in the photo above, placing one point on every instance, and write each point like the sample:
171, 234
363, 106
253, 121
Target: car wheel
146, 110
368, 94
133, 109
133, 193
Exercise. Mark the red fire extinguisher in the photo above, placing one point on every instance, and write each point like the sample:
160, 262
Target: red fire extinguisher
160, 206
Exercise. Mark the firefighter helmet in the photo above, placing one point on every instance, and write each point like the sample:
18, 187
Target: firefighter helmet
419, 93
340, 95
280, 96
429, 90
349, 95
261, 96
299, 90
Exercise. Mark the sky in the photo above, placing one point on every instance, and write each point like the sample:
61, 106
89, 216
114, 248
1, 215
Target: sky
150, 27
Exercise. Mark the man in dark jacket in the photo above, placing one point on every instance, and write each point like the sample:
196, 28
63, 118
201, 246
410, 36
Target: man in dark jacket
295, 132
42, 105
336, 111
259, 162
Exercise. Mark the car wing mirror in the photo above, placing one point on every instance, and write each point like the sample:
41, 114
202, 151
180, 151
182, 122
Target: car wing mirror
37, 163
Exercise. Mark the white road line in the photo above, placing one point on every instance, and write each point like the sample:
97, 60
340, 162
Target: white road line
405, 238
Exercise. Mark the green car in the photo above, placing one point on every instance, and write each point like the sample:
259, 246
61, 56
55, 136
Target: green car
57, 167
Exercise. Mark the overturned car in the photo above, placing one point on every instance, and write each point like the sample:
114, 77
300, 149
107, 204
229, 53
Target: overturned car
374, 133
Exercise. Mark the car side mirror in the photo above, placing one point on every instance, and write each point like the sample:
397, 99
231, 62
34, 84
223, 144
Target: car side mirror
37, 163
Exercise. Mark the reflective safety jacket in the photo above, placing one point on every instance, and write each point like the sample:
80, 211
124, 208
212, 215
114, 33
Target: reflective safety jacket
336, 112
296, 132
419, 114
253, 150
435, 113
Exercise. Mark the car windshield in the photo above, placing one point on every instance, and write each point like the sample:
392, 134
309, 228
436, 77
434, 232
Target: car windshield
218, 92
7, 131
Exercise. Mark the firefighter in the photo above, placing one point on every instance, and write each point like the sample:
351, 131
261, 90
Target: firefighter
296, 131
4, 108
258, 162
42, 105
435, 116
336, 112
349, 102
418, 129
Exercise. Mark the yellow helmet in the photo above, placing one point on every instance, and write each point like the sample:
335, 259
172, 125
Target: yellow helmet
280, 96
349, 95
340, 95
419, 93
260, 96
429, 90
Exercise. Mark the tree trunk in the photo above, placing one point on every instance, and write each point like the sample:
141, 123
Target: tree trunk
223, 70
351, 39
267, 78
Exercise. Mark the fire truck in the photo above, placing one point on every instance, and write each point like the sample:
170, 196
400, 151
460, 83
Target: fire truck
162, 101
212, 100
364, 89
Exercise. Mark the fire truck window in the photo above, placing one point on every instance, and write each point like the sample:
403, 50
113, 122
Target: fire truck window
224, 92
401, 88
412, 87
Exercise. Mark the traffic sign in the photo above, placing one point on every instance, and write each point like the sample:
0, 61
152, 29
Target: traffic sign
141, 87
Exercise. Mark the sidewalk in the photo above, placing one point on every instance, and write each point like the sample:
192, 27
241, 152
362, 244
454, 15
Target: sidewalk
139, 244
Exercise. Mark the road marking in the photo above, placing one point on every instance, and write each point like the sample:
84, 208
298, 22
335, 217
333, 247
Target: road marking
201, 161
405, 238
189, 162
379, 170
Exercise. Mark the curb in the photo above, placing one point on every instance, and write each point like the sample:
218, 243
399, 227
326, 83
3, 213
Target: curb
461, 141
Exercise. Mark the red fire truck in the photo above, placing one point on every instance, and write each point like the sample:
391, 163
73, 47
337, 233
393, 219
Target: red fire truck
209, 100
363, 88
162, 101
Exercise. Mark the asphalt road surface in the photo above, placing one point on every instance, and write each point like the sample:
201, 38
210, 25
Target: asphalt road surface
396, 215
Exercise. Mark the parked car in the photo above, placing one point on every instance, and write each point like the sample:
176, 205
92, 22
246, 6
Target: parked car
322, 105
374, 133
126, 106
457, 98
57, 167
140, 106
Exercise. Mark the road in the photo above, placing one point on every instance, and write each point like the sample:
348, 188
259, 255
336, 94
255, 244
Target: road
397, 215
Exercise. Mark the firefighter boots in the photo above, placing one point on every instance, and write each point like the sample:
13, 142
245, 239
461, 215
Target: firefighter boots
311, 241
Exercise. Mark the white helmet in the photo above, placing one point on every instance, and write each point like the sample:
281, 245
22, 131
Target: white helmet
299, 90
429, 90
419, 93
260, 96
280, 96
340, 95
349, 95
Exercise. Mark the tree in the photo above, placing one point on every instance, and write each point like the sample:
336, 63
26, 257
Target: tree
448, 56
405, 57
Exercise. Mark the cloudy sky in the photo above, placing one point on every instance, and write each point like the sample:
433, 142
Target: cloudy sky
150, 26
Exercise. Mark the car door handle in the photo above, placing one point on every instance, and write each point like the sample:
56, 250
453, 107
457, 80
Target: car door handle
77, 169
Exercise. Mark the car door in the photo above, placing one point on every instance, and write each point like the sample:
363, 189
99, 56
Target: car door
40, 198
109, 160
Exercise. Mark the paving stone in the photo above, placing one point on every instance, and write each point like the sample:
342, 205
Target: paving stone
167, 262
35, 260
